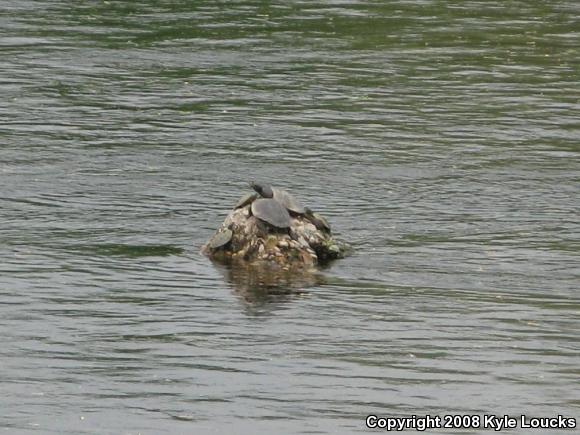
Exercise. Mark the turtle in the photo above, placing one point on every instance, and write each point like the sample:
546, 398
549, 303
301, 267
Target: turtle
245, 200
272, 212
220, 239
283, 197
264, 190
318, 221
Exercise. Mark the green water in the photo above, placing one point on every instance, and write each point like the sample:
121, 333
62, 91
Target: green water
440, 139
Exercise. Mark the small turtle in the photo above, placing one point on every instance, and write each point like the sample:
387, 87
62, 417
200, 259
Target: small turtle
220, 239
279, 195
246, 200
318, 221
264, 190
272, 212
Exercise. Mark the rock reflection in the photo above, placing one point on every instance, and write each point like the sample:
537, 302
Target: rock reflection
262, 283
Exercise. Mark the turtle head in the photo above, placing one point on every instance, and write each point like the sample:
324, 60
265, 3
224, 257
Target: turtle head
308, 212
263, 190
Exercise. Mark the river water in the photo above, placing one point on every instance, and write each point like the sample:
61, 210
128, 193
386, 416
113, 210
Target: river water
439, 138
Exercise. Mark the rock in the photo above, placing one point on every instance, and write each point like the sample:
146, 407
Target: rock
254, 241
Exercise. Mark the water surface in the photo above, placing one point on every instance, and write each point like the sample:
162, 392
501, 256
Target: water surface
439, 138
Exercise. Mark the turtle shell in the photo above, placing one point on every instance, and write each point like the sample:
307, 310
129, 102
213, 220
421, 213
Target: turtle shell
245, 200
288, 201
271, 212
220, 239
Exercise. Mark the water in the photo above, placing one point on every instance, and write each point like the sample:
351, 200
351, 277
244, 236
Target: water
439, 138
